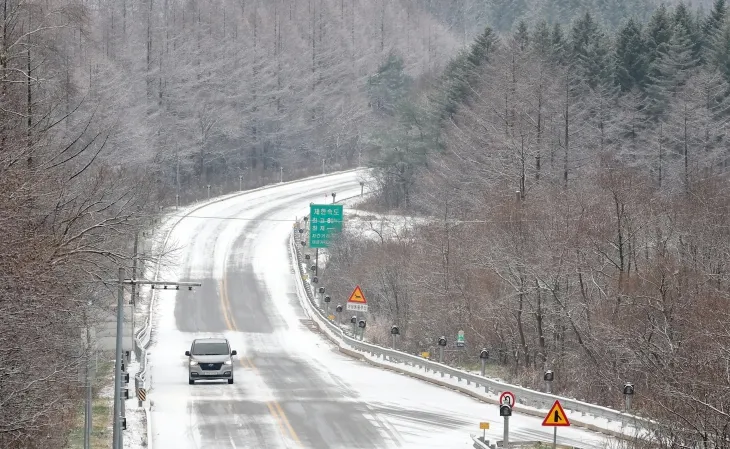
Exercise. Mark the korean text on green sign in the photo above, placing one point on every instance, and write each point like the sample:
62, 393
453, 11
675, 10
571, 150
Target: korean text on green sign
324, 221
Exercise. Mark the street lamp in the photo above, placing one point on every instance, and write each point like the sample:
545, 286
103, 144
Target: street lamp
208, 186
333, 197
327, 300
361, 324
338, 309
483, 356
548, 377
442, 343
394, 331
628, 393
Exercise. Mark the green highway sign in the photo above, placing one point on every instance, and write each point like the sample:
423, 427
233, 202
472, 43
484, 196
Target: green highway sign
324, 221
460, 339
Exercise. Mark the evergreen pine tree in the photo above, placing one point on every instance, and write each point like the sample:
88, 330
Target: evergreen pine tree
541, 39
715, 21
559, 46
690, 26
658, 34
720, 51
388, 86
669, 72
522, 35
482, 48
590, 52
712, 32
631, 56
582, 33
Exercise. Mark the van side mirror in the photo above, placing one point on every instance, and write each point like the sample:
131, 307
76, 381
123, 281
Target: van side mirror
187, 353
234, 352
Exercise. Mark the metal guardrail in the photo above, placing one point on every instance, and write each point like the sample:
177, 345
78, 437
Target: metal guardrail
479, 444
525, 396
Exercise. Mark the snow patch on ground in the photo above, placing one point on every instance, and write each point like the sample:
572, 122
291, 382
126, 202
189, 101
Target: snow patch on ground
379, 227
136, 434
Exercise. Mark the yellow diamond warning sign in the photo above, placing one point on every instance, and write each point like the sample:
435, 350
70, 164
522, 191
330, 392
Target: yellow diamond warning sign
357, 301
556, 417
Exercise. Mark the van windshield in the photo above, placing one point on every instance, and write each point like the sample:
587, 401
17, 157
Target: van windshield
210, 349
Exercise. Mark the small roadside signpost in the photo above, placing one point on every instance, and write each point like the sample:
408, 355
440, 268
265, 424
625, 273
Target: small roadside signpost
357, 301
484, 426
506, 403
555, 418
505, 411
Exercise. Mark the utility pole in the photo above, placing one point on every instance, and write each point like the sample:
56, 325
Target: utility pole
281, 174
322, 166
133, 299
240, 182
177, 184
88, 409
117, 439
116, 432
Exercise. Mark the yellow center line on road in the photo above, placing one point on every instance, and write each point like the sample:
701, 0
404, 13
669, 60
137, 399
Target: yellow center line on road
274, 408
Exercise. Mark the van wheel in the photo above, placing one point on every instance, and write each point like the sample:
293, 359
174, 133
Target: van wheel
230, 381
191, 382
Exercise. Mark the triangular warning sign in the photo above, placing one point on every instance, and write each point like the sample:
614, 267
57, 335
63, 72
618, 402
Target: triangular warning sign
556, 417
357, 296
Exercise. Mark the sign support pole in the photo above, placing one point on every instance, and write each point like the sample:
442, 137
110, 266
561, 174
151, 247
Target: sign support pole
316, 262
505, 443
555, 437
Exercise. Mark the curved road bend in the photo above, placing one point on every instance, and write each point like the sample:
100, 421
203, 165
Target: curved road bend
292, 388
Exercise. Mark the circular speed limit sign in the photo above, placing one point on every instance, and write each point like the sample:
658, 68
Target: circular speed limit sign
507, 398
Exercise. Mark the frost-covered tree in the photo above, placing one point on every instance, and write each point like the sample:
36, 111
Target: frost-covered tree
631, 56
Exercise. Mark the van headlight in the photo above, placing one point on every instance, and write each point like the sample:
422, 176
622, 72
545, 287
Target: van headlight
193, 363
228, 362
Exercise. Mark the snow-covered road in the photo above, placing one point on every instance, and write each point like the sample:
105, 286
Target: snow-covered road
292, 388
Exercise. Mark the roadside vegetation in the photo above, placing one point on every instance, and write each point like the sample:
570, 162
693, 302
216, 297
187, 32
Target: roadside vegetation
574, 185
